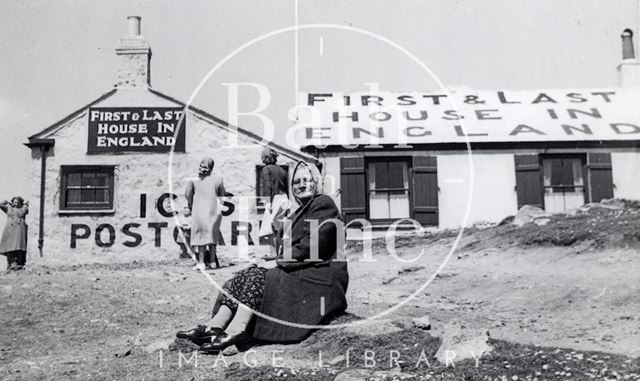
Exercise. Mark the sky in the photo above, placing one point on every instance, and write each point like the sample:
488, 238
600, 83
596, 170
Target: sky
58, 56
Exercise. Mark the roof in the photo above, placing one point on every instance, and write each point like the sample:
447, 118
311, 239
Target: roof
456, 117
46, 133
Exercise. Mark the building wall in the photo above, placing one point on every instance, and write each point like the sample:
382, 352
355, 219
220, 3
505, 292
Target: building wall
331, 172
493, 193
494, 196
625, 168
138, 174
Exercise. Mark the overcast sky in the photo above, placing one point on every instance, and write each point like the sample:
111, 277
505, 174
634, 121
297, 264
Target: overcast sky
59, 55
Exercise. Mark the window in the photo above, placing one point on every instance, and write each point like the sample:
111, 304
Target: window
86, 187
388, 189
259, 203
563, 182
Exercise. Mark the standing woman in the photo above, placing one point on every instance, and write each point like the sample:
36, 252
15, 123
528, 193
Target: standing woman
14, 237
273, 185
204, 196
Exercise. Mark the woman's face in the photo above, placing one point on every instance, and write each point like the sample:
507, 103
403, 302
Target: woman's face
16, 203
203, 169
304, 186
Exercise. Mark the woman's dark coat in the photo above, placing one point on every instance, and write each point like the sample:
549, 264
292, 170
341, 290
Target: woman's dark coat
273, 181
295, 290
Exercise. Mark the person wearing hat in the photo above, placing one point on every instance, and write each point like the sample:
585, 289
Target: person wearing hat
273, 186
13, 243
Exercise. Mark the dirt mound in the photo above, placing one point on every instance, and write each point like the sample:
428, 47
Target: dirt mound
611, 223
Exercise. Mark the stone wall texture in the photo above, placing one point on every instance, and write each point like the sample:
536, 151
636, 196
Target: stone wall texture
136, 174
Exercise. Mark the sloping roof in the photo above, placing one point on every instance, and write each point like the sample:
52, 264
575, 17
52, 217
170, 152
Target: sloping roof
203, 114
59, 124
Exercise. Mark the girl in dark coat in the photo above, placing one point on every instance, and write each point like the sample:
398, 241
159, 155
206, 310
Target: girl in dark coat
273, 186
296, 292
13, 243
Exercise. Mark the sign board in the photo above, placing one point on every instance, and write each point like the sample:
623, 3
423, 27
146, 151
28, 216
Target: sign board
460, 116
135, 129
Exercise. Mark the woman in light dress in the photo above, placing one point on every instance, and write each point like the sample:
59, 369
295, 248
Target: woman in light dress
13, 243
205, 197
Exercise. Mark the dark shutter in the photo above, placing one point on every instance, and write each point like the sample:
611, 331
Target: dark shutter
353, 191
425, 189
529, 181
600, 178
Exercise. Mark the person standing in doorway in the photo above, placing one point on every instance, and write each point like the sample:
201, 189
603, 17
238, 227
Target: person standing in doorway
204, 196
13, 243
273, 186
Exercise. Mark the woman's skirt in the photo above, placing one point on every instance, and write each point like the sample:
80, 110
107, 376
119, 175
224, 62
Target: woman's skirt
247, 287
14, 237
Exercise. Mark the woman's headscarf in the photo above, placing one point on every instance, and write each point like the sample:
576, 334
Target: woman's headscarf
269, 156
315, 174
208, 163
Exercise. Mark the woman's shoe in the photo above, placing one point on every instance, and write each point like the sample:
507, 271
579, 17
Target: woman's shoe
201, 334
223, 341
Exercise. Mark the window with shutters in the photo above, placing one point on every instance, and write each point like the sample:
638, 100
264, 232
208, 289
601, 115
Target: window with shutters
388, 183
385, 190
86, 188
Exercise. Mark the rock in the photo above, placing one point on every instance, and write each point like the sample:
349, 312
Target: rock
482, 225
403, 322
541, 221
373, 328
461, 343
230, 351
389, 280
125, 353
183, 345
368, 374
527, 214
336, 360
422, 322
410, 269
158, 345
507, 220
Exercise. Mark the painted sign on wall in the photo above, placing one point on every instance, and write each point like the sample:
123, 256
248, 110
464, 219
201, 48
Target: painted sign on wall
239, 219
135, 129
334, 119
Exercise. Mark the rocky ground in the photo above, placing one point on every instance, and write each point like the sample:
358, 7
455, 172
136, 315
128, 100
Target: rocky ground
558, 303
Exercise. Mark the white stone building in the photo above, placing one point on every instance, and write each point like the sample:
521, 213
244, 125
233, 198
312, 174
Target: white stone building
102, 178
460, 156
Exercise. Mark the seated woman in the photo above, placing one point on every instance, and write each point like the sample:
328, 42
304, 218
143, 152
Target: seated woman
294, 294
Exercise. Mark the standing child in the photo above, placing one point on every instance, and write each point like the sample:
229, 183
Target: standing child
184, 225
13, 243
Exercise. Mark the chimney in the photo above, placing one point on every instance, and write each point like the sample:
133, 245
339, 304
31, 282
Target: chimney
629, 68
135, 57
